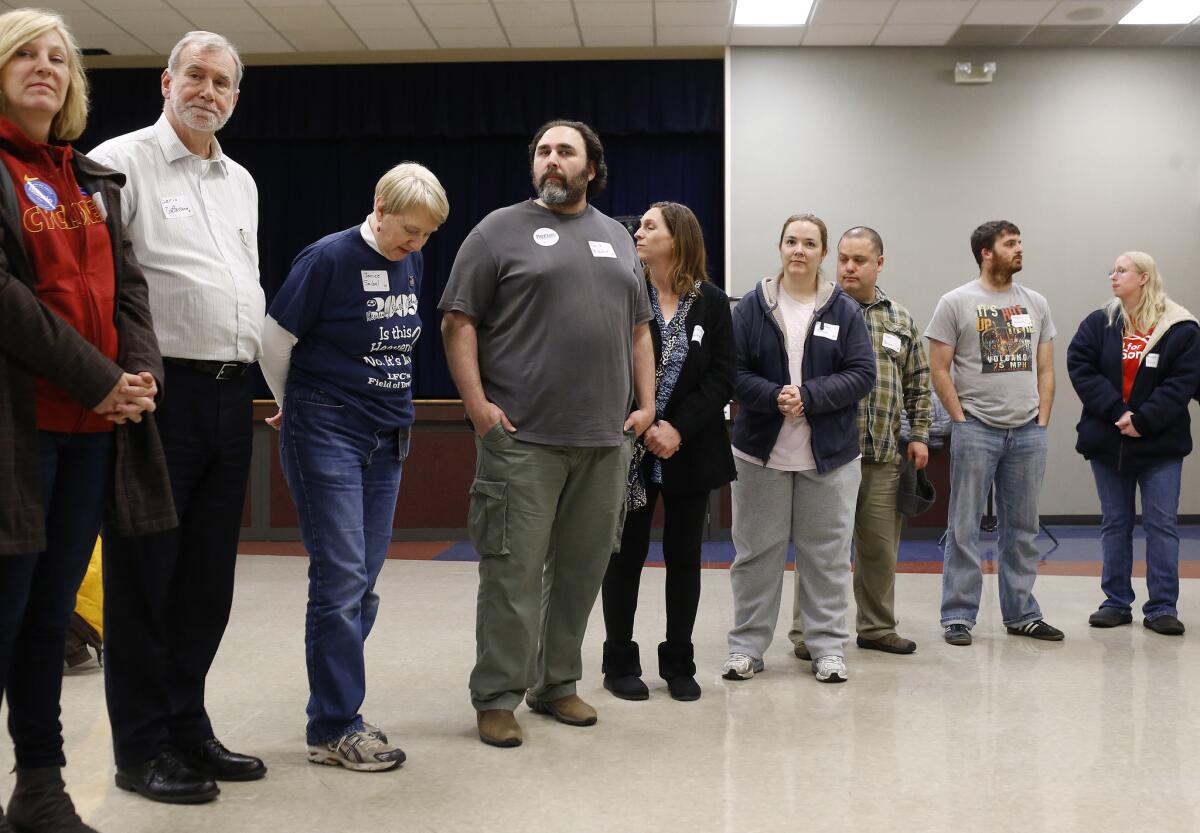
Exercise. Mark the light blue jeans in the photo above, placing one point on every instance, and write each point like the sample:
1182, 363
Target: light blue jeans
1015, 460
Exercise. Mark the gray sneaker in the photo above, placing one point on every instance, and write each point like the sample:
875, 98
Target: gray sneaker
362, 751
741, 667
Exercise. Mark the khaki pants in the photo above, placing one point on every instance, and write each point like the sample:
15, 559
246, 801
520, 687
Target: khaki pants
544, 520
877, 527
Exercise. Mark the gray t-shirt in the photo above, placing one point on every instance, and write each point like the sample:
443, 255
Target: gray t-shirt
995, 336
555, 298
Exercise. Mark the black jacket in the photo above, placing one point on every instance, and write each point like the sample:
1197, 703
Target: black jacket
697, 405
1162, 389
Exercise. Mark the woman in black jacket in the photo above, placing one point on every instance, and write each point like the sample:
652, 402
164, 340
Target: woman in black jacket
684, 455
1135, 364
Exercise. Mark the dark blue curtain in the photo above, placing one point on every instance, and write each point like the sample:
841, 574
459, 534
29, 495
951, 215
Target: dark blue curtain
317, 138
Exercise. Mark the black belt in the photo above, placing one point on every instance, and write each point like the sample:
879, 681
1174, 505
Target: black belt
221, 371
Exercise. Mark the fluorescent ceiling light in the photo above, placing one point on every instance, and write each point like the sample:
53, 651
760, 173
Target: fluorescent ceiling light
1163, 11
772, 12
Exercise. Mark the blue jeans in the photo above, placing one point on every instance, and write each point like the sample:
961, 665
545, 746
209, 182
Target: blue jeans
1160, 507
1015, 460
344, 477
37, 591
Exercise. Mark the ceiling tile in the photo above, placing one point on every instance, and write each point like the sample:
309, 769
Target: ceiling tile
160, 43
382, 38
915, 35
851, 12
535, 15
275, 4
622, 14
1089, 12
327, 40
477, 38
1188, 37
305, 18
223, 5
457, 15
1009, 12
84, 22
1064, 35
544, 37
930, 12
988, 35
392, 17
260, 42
218, 20
57, 5
151, 21
119, 44
1145, 35
618, 35
692, 14
105, 6
842, 35
767, 35
692, 35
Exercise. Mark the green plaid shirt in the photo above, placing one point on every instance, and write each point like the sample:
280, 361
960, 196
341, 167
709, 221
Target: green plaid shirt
902, 381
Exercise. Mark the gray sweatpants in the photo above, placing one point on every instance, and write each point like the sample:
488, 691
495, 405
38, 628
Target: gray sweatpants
816, 512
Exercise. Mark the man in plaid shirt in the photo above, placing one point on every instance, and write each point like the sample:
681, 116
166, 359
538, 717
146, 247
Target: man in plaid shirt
902, 383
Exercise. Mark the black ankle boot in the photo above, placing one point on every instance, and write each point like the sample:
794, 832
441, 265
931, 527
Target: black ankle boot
676, 665
40, 804
623, 671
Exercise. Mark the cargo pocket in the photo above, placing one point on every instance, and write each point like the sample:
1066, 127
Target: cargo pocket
616, 542
487, 517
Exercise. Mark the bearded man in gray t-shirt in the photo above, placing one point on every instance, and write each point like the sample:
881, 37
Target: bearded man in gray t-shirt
999, 338
546, 331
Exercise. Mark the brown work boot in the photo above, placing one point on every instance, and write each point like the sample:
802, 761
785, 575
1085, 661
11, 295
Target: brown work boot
498, 727
570, 709
889, 643
801, 652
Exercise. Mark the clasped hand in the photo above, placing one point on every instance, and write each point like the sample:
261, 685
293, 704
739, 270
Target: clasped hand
790, 403
662, 440
1125, 425
131, 396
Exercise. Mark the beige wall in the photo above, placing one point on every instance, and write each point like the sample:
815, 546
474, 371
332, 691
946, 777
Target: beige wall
1091, 152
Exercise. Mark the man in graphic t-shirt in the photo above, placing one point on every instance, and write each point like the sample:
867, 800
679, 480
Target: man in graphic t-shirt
991, 353
546, 331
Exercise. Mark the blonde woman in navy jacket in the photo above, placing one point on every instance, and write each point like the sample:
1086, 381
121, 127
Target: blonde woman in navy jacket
1135, 364
804, 360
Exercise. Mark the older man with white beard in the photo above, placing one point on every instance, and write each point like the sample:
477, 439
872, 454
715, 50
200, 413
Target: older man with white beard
192, 218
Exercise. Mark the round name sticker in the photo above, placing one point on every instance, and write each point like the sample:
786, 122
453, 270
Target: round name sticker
545, 237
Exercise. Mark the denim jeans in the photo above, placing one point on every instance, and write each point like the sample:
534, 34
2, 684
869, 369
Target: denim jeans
1160, 506
1014, 459
37, 591
344, 477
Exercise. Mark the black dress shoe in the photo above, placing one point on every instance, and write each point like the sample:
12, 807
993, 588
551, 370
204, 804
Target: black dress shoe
212, 759
1109, 617
1166, 625
167, 779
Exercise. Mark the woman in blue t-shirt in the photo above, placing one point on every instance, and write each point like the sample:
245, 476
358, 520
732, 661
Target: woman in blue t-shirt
337, 345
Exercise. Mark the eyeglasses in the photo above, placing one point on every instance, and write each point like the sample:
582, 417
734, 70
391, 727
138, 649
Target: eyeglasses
1121, 270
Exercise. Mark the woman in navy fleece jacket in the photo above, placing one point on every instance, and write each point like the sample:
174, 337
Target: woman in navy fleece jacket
1136, 364
804, 360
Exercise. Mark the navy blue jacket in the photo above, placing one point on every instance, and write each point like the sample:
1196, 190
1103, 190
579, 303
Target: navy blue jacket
1159, 398
837, 374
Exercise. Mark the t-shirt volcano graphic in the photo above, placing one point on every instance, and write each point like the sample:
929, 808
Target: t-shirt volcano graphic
1005, 338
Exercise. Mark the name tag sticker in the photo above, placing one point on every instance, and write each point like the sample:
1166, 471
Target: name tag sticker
891, 341
698, 334
601, 248
545, 237
1022, 320
175, 207
375, 280
829, 331
1152, 360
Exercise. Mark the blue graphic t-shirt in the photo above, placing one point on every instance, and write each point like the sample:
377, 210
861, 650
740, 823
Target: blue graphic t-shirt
355, 315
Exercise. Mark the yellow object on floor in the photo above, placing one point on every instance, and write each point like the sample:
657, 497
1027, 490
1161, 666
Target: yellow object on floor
89, 603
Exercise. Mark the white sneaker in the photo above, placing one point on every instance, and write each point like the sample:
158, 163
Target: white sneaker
362, 751
741, 667
830, 669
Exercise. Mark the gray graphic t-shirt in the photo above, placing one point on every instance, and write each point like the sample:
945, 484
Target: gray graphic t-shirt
555, 298
995, 336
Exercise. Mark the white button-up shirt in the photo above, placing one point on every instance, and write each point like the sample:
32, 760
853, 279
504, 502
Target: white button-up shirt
194, 227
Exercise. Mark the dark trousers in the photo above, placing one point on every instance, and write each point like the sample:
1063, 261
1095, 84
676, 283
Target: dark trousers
683, 527
167, 596
37, 591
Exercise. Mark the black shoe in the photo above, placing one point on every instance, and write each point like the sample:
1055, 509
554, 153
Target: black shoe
1166, 625
684, 688
627, 688
5, 827
1109, 617
1037, 629
801, 652
165, 778
212, 759
957, 635
40, 804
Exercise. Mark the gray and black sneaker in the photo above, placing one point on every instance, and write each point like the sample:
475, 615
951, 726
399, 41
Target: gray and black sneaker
1037, 629
957, 635
362, 751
